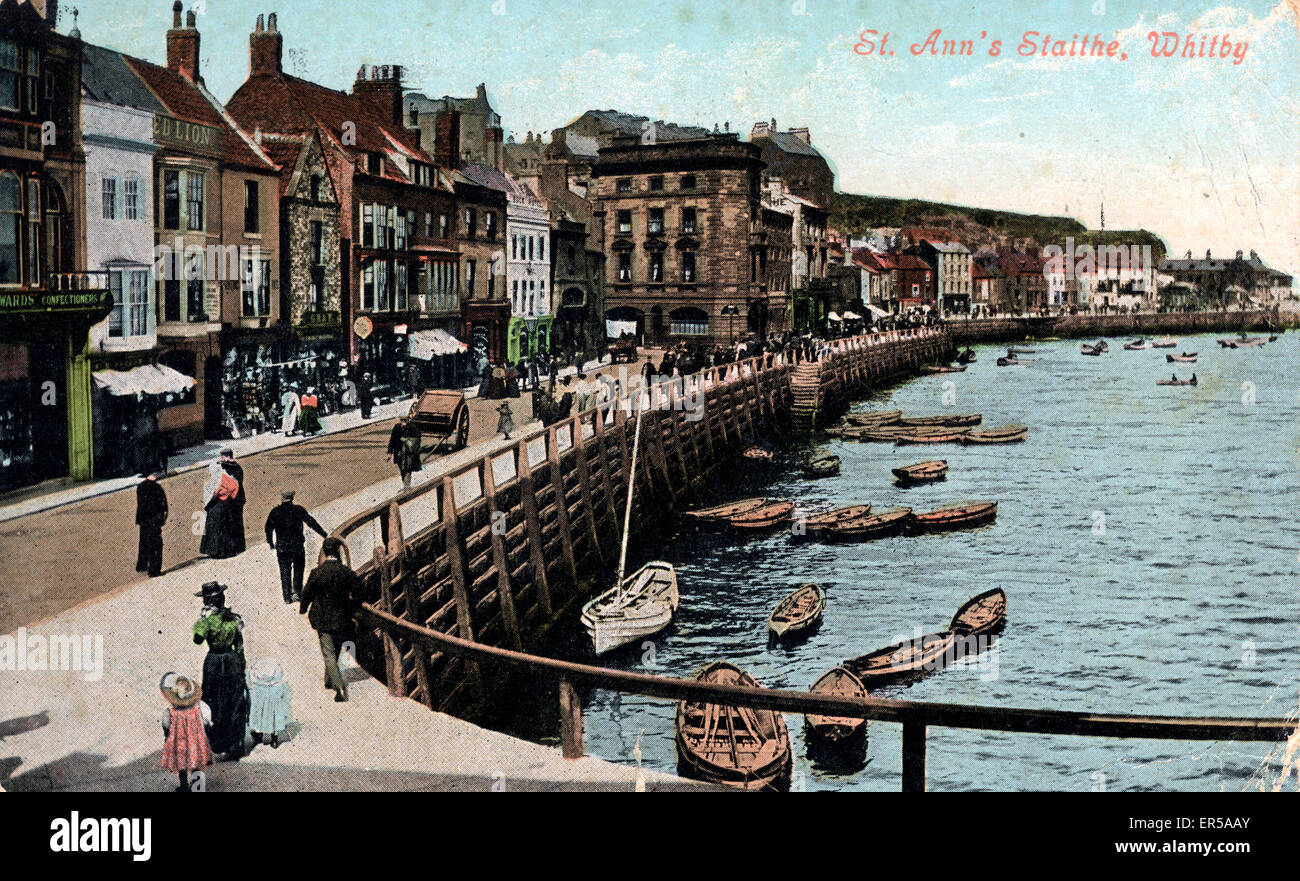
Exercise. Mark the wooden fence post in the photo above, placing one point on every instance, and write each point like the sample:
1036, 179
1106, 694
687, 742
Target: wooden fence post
571, 740
913, 757
505, 595
528, 500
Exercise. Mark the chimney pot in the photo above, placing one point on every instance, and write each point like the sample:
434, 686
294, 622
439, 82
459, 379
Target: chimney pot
261, 20
176, 14
270, 23
190, 20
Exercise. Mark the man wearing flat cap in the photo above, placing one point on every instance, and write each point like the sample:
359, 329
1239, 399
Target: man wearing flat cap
284, 533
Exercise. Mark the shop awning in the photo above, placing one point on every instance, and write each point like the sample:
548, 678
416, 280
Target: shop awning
428, 344
833, 316
851, 316
877, 311
149, 379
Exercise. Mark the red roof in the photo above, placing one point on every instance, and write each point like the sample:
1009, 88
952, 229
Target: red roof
288, 105
189, 101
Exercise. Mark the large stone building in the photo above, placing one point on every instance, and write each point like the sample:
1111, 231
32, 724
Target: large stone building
688, 235
951, 262
481, 232
48, 302
398, 260
1218, 283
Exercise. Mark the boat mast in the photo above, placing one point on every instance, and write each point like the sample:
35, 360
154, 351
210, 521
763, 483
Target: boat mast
627, 515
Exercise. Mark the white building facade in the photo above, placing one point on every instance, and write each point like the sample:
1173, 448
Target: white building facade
119, 148
528, 273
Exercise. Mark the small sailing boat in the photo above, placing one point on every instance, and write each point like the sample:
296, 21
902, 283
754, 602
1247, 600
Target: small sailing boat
638, 606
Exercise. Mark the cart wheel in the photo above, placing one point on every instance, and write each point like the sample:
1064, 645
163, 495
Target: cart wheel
462, 429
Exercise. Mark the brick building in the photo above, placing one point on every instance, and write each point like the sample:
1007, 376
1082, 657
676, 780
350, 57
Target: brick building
397, 255
687, 235
791, 158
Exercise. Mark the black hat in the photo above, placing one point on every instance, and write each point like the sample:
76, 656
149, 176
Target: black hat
212, 590
287, 495
332, 547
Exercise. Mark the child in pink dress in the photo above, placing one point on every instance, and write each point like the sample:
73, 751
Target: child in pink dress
186, 748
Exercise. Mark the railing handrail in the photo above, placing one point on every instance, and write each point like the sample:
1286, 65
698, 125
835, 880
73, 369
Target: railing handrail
971, 716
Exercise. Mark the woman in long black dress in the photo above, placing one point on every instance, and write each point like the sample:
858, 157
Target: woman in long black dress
223, 526
225, 687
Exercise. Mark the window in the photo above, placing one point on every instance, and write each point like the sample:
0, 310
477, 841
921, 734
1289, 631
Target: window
130, 315
656, 183
131, 198
530, 247
688, 181
624, 266
428, 224
367, 225
656, 221
541, 247
257, 288
657, 267
316, 289
252, 212
471, 222
490, 225
317, 240
514, 247
375, 163
194, 275
11, 228
195, 181
623, 185
315, 187
514, 295
688, 322
688, 220
401, 298
381, 226
624, 219
688, 267
368, 288
383, 285
390, 227
400, 233
470, 267
171, 200
443, 224
108, 198
11, 68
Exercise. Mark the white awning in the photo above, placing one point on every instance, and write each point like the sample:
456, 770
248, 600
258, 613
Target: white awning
615, 329
149, 379
833, 316
877, 311
428, 344
851, 316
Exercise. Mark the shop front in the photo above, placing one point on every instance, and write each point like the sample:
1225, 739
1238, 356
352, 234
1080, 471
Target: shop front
127, 401
527, 336
46, 421
485, 325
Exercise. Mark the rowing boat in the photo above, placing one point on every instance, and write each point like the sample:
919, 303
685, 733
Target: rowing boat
904, 661
777, 512
822, 466
869, 526
921, 472
756, 453
1007, 434
983, 614
1018, 350
1191, 381
1136, 345
873, 417
886, 434
962, 515
799, 614
953, 436
938, 368
1185, 358
1090, 350
838, 732
1008, 361
735, 746
642, 606
817, 524
1165, 343
961, 420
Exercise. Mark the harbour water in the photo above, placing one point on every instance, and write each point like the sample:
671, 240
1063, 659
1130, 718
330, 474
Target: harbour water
1146, 538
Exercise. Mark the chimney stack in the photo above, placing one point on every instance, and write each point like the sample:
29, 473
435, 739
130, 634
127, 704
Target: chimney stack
183, 46
802, 134
382, 88
265, 49
446, 139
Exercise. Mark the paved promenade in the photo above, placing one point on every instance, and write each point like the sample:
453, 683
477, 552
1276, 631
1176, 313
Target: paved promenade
59, 731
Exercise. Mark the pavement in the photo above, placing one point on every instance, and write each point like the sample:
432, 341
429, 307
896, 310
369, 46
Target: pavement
98, 727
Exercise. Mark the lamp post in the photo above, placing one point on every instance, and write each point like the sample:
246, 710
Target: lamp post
731, 312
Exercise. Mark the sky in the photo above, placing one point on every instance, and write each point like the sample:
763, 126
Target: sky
1203, 151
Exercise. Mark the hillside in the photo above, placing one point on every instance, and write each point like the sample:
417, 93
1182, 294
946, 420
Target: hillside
857, 215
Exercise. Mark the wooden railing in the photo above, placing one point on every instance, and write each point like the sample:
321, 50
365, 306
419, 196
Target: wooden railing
914, 716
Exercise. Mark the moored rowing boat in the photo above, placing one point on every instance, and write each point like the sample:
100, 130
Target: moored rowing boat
871, 526
904, 661
982, 614
959, 420
735, 746
839, 732
922, 472
1007, 434
953, 436
817, 524
873, 417
799, 614
1184, 358
961, 515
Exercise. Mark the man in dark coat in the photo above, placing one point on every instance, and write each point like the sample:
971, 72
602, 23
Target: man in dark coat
330, 600
365, 395
284, 533
150, 515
